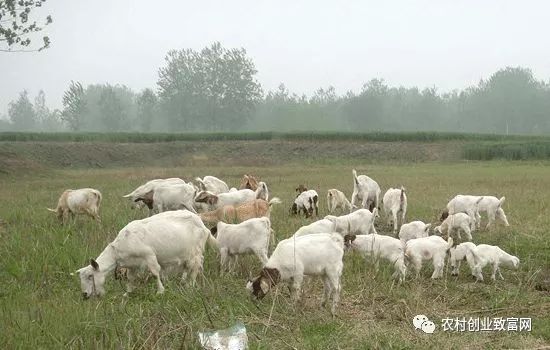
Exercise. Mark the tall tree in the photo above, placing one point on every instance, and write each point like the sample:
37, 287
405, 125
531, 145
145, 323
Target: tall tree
112, 113
22, 113
214, 89
74, 106
16, 29
147, 104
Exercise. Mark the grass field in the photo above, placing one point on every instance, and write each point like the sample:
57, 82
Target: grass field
41, 305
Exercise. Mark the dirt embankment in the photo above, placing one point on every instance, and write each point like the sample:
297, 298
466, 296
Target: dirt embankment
20, 156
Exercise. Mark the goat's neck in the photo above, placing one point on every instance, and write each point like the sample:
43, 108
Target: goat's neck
107, 259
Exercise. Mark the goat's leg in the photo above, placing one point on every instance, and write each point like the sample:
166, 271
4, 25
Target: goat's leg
154, 267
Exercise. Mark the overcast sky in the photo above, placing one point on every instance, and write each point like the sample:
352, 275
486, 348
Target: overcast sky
449, 44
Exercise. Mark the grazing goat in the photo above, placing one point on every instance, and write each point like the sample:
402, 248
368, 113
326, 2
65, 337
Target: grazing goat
81, 201
234, 214
366, 192
493, 207
395, 204
337, 200
319, 226
428, 248
460, 252
174, 197
249, 181
456, 222
412, 230
359, 222
212, 184
380, 246
307, 202
144, 193
314, 255
249, 237
160, 241
485, 254
220, 200
464, 204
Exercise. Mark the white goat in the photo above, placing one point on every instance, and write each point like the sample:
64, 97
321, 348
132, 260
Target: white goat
307, 202
160, 241
395, 203
81, 201
460, 252
380, 246
174, 197
212, 184
412, 230
456, 222
222, 199
366, 192
144, 193
249, 237
337, 200
359, 222
315, 255
464, 204
480, 256
428, 248
319, 226
493, 207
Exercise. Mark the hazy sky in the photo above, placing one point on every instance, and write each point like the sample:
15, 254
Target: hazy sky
305, 44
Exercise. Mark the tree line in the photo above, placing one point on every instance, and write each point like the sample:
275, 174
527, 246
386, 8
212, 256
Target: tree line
215, 89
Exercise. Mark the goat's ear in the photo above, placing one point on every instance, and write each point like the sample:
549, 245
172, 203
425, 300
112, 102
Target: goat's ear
94, 264
212, 199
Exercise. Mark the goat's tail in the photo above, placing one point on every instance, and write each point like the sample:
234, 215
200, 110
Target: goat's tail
355, 176
402, 198
501, 201
275, 200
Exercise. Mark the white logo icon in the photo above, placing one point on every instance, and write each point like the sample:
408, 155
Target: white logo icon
423, 323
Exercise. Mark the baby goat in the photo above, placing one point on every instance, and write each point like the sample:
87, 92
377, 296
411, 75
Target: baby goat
395, 206
337, 200
428, 248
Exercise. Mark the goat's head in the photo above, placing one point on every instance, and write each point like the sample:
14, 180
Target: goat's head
92, 280
249, 182
444, 215
261, 285
348, 241
206, 197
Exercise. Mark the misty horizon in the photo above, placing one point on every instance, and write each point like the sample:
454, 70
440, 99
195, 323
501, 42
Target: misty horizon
303, 46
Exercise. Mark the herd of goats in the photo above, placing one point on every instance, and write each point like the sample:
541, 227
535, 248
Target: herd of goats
174, 236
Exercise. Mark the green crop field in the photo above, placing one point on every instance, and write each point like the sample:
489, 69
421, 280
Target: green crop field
41, 304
